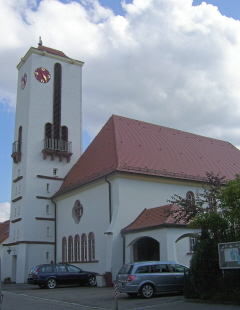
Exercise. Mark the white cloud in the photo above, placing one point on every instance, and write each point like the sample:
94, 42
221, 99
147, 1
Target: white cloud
165, 61
4, 211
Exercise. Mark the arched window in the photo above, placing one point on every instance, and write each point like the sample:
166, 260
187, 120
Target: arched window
190, 196
70, 248
48, 142
64, 141
91, 246
48, 130
84, 247
64, 133
64, 249
77, 248
211, 201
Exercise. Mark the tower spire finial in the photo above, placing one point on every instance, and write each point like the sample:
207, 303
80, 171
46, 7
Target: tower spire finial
40, 41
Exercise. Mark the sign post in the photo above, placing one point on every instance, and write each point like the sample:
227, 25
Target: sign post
1, 296
116, 296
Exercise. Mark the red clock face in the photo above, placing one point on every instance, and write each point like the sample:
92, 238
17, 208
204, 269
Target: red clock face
23, 81
42, 75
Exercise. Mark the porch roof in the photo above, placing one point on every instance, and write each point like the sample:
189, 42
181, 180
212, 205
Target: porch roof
154, 218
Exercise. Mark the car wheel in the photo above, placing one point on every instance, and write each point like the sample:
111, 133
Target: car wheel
92, 281
132, 294
147, 291
51, 283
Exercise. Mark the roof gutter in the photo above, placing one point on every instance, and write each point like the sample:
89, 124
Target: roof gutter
124, 245
55, 232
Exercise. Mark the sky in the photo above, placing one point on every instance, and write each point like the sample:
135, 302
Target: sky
174, 63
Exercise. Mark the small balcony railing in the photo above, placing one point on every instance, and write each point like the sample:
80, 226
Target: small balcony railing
58, 145
16, 152
59, 148
16, 147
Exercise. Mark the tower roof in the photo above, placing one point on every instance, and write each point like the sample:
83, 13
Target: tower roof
51, 51
128, 145
48, 52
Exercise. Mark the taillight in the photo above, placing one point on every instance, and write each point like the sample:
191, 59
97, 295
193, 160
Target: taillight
36, 273
130, 278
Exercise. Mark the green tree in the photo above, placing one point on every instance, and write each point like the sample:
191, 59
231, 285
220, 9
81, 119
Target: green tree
216, 211
229, 198
206, 200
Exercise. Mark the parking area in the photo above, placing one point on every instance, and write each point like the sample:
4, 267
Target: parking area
24, 296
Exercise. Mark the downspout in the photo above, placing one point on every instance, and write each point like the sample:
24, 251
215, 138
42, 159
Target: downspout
124, 245
55, 232
110, 199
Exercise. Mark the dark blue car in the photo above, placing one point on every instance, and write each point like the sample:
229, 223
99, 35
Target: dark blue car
51, 275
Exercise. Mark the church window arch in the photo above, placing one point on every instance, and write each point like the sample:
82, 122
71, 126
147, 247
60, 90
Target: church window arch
70, 248
84, 247
77, 248
91, 246
64, 249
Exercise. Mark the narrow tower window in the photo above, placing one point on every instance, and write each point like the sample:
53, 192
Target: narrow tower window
57, 101
20, 139
55, 172
48, 136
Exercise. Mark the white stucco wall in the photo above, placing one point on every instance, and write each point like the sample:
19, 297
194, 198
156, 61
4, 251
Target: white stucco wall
130, 195
95, 218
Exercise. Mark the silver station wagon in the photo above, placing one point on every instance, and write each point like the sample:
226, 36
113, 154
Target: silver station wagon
148, 278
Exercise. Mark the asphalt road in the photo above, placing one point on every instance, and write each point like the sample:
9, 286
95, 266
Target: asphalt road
26, 297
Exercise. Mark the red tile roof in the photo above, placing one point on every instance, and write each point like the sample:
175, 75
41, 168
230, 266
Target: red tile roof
133, 146
154, 219
51, 51
4, 230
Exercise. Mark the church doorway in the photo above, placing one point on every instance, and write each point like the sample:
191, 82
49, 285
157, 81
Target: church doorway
146, 249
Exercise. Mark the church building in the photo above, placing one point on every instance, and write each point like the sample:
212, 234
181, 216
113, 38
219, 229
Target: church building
108, 205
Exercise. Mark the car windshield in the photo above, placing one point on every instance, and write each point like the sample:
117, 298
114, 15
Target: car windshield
126, 269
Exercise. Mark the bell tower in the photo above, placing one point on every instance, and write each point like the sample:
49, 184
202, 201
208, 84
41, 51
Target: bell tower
48, 142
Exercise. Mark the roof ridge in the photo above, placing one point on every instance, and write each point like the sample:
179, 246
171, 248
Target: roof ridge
52, 50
